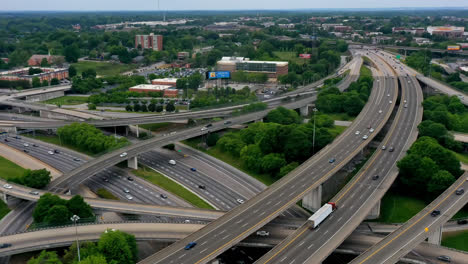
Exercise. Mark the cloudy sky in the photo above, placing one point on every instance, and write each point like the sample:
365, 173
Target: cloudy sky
8, 5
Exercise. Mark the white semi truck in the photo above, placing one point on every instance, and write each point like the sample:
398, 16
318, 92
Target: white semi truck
321, 214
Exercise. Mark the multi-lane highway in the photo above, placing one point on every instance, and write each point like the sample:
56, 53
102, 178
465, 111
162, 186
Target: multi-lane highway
245, 219
169, 232
404, 239
360, 195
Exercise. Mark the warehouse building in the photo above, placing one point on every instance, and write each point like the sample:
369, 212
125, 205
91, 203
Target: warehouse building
272, 68
148, 88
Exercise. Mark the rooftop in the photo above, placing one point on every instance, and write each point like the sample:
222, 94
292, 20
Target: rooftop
247, 60
165, 80
151, 87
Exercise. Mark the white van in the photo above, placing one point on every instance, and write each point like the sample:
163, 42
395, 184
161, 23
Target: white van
172, 162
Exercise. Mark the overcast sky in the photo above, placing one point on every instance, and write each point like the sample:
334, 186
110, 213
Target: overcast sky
80, 5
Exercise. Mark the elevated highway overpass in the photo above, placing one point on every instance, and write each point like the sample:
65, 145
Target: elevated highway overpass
245, 219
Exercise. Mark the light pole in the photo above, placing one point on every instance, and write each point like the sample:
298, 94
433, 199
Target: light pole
313, 138
75, 218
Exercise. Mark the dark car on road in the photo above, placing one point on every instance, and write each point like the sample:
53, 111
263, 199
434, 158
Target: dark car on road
5, 245
190, 245
193, 169
462, 222
129, 178
202, 187
435, 213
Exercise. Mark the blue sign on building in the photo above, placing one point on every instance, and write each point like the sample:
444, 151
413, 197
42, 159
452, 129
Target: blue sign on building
219, 75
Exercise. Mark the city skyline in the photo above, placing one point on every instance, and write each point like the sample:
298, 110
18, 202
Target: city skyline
140, 5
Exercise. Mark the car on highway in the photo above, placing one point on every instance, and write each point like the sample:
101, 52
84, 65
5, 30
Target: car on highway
406, 105
365, 137
50, 152
190, 245
25, 151
331, 160
263, 233
126, 190
5, 245
203, 128
26, 144
56, 151
35, 145
462, 222
388, 95
17, 137
129, 178
172, 162
459, 191
209, 125
123, 154
227, 122
193, 169
6, 140
435, 213
202, 186
390, 102
34, 192
7, 186
371, 130
129, 197
105, 179
444, 258
384, 147
162, 195
358, 132
240, 201
375, 177
391, 149
76, 159
380, 111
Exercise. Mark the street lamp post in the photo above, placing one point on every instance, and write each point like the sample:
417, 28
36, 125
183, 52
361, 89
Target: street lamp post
75, 218
313, 138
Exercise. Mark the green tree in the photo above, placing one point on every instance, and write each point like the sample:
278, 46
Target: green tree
58, 215
54, 81
416, 172
36, 82
115, 246
45, 82
440, 182
159, 108
72, 53
272, 163
287, 169
136, 106
152, 107
44, 204
46, 257
72, 71
77, 206
89, 73
283, 116
170, 107
45, 63
251, 155
91, 106
129, 108
37, 179
94, 259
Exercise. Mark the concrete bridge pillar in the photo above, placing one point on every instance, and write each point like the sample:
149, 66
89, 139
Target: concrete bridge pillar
436, 237
304, 110
313, 200
137, 131
375, 212
5, 197
133, 163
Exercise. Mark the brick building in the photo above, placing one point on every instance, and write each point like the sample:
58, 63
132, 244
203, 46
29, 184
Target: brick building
46, 74
165, 81
151, 41
36, 59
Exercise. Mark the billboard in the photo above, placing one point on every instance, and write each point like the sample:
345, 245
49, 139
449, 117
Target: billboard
218, 75
453, 47
304, 56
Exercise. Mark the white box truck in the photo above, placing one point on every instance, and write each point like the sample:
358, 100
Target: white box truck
322, 214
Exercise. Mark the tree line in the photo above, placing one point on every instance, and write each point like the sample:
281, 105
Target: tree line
280, 144
36, 179
221, 95
88, 138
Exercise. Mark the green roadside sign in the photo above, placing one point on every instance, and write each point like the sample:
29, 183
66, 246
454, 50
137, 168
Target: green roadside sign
398, 56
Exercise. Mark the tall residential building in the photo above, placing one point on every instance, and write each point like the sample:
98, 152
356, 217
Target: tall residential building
151, 41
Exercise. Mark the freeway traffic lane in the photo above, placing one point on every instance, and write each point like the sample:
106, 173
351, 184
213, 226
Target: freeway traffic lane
418, 228
245, 219
358, 197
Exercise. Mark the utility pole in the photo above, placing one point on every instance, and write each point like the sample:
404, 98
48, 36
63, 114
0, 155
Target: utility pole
75, 218
313, 138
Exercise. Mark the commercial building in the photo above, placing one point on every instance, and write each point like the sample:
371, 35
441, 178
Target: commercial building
449, 32
46, 74
343, 28
165, 81
151, 41
183, 55
414, 31
147, 88
272, 68
36, 59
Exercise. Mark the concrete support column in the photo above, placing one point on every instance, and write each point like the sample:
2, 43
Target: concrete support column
436, 237
375, 212
304, 110
133, 163
5, 197
137, 131
126, 131
313, 200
